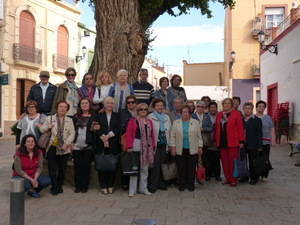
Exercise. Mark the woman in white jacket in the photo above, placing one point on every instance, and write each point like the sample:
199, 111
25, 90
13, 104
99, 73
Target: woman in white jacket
186, 143
162, 128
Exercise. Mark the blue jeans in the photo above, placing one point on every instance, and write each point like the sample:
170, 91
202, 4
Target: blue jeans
44, 181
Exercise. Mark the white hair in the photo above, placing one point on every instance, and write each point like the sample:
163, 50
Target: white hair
122, 71
108, 98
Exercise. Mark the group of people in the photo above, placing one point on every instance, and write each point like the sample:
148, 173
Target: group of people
102, 119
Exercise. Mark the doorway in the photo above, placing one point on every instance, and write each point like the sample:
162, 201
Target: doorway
23, 89
272, 100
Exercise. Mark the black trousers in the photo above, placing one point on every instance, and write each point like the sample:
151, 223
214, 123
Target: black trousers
266, 149
57, 165
155, 178
252, 155
213, 168
186, 169
82, 168
106, 179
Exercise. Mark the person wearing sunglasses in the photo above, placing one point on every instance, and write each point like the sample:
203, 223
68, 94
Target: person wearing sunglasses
87, 89
67, 91
140, 139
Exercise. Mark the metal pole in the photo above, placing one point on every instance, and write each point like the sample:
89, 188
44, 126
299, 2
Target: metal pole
17, 204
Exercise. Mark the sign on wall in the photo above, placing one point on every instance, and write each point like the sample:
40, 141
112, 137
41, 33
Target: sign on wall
4, 79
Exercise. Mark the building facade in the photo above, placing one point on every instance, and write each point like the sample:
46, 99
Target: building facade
211, 74
280, 73
35, 35
241, 46
85, 51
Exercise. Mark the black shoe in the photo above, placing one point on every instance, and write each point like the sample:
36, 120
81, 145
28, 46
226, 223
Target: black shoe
84, 190
253, 182
77, 190
152, 191
54, 191
181, 188
218, 179
244, 179
60, 190
207, 178
125, 187
163, 187
191, 189
297, 164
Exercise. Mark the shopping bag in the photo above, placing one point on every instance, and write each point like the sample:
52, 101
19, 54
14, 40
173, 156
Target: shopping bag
130, 163
106, 163
169, 171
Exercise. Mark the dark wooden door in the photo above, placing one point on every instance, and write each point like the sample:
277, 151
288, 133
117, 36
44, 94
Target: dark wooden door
272, 100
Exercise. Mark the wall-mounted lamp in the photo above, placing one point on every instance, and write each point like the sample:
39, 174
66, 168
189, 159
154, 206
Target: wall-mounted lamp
232, 60
86, 33
81, 57
271, 48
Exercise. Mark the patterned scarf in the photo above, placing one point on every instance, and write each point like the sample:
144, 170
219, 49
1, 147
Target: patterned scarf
72, 96
85, 93
147, 151
60, 134
162, 120
120, 97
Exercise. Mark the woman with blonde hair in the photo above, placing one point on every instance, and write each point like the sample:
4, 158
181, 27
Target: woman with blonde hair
103, 83
120, 90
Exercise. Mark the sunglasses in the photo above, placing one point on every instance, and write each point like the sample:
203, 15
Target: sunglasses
143, 109
71, 75
131, 102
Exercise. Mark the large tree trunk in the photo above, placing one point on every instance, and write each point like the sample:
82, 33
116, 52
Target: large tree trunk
121, 41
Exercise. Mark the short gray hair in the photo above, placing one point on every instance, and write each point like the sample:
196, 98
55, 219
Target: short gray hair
122, 71
202, 103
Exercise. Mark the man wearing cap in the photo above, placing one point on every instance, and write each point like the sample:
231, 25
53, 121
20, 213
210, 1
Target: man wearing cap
43, 93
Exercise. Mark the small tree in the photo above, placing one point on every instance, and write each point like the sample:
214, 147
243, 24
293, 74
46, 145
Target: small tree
122, 27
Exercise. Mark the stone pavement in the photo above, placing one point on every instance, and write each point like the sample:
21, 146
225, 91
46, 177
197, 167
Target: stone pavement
275, 201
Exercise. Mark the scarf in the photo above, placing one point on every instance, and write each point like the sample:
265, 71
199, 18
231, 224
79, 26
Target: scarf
225, 118
120, 97
60, 134
85, 93
73, 95
147, 151
162, 120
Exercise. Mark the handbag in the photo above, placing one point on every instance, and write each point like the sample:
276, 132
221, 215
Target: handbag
200, 174
241, 165
44, 139
130, 163
106, 163
169, 171
261, 165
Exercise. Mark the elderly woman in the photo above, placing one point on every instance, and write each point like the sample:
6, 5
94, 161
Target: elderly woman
175, 88
162, 128
120, 90
177, 106
30, 122
87, 90
68, 92
140, 139
28, 164
229, 137
186, 144
164, 93
82, 148
104, 83
106, 129
60, 144
206, 100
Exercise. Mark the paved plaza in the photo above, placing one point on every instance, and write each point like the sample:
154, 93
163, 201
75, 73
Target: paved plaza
275, 201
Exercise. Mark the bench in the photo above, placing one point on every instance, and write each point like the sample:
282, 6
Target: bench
293, 146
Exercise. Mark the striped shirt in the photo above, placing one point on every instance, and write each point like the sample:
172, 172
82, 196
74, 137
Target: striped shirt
143, 92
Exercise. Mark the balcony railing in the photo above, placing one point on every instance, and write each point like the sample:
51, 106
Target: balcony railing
62, 62
27, 54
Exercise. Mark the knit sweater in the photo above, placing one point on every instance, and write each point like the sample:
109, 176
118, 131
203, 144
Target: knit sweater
143, 92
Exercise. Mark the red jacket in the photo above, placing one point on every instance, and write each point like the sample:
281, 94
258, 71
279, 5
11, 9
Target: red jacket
29, 166
131, 133
235, 129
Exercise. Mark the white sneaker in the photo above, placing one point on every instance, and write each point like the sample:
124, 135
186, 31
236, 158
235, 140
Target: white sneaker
147, 192
131, 195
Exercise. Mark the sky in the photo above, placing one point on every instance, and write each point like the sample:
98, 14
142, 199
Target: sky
191, 37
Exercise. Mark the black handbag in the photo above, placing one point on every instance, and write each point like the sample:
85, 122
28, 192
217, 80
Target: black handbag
106, 163
261, 165
130, 163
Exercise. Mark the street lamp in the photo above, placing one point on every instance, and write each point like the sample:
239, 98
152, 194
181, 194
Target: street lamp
271, 48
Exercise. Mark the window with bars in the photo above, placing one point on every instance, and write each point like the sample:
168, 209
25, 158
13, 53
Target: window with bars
274, 16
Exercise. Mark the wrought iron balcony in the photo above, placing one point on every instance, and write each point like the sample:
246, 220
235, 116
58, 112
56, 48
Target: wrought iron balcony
62, 62
27, 54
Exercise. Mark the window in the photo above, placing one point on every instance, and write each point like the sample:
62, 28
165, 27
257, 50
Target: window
62, 41
27, 29
274, 16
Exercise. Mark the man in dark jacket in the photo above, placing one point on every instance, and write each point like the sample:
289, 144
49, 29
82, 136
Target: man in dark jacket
43, 93
253, 141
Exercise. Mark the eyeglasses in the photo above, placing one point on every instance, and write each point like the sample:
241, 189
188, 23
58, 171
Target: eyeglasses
71, 75
143, 109
131, 102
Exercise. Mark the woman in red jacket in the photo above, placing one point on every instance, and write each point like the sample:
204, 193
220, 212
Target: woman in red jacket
229, 137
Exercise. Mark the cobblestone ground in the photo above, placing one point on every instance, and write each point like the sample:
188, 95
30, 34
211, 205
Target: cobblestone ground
275, 201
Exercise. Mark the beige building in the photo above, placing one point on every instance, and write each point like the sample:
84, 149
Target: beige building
210, 74
35, 35
155, 72
241, 46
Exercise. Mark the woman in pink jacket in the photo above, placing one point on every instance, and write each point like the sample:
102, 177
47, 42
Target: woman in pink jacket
140, 140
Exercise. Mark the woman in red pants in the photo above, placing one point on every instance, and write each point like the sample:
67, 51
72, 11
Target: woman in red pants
229, 136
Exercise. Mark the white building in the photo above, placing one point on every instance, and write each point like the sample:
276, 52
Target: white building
280, 73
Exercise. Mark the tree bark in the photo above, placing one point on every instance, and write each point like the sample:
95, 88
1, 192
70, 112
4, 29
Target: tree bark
121, 41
